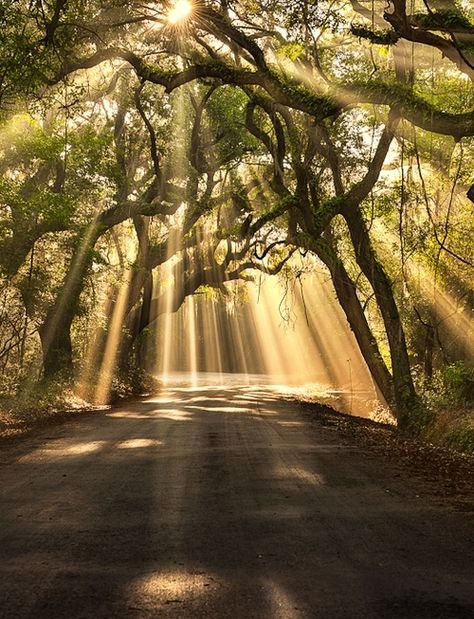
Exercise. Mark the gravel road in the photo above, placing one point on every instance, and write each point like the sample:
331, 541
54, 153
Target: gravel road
220, 502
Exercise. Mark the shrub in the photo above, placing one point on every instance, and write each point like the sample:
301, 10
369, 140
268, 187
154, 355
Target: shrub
462, 437
452, 386
458, 381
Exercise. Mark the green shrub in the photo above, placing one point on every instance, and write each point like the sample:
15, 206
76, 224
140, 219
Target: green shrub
458, 381
452, 386
462, 437
41, 400
134, 383
142, 382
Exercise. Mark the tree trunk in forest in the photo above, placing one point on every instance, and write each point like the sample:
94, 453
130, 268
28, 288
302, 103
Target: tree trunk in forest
144, 320
349, 301
55, 331
57, 346
406, 401
135, 322
429, 352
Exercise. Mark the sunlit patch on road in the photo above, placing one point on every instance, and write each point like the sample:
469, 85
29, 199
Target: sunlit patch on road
139, 443
60, 449
257, 389
173, 414
173, 590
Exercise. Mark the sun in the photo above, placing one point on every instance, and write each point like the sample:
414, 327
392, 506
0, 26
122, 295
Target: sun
180, 11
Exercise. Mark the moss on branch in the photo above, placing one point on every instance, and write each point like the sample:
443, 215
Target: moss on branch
281, 207
410, 106
449, 19
378, 37
326, 212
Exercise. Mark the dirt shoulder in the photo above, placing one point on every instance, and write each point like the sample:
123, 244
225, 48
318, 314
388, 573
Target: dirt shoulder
436, 471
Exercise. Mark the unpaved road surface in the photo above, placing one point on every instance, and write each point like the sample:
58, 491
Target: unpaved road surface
220, 503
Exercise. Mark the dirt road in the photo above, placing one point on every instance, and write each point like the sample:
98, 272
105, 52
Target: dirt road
220, 503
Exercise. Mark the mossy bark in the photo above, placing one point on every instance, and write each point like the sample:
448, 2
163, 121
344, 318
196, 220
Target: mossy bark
349, 301
409, 411
55, 330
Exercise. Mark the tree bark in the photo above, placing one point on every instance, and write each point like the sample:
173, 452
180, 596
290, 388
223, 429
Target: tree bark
57, 347
349, 301
407, 404
55, 331
144, 321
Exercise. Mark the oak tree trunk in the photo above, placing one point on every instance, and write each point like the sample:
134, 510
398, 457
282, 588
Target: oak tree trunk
407, 404
350, 303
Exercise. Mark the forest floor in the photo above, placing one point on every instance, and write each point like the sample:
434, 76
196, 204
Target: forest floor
232, 502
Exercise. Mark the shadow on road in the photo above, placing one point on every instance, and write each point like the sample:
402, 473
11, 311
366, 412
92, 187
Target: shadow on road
218, 502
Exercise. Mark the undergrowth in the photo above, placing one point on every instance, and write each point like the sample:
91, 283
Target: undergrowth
32, 403
450, 396
135, 382
40, 400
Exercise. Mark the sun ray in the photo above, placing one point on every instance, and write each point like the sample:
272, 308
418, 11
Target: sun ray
114, 337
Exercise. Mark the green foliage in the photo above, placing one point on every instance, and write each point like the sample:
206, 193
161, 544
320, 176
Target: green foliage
320, 106
444, 20
458, 381
89, 157
136, 382
23, 140
417, 417
18, 55
378, 37
226, 113
30, 156
445, 92
37, 401
461, 437
450, 386
327, 211
208, 292
293, 51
